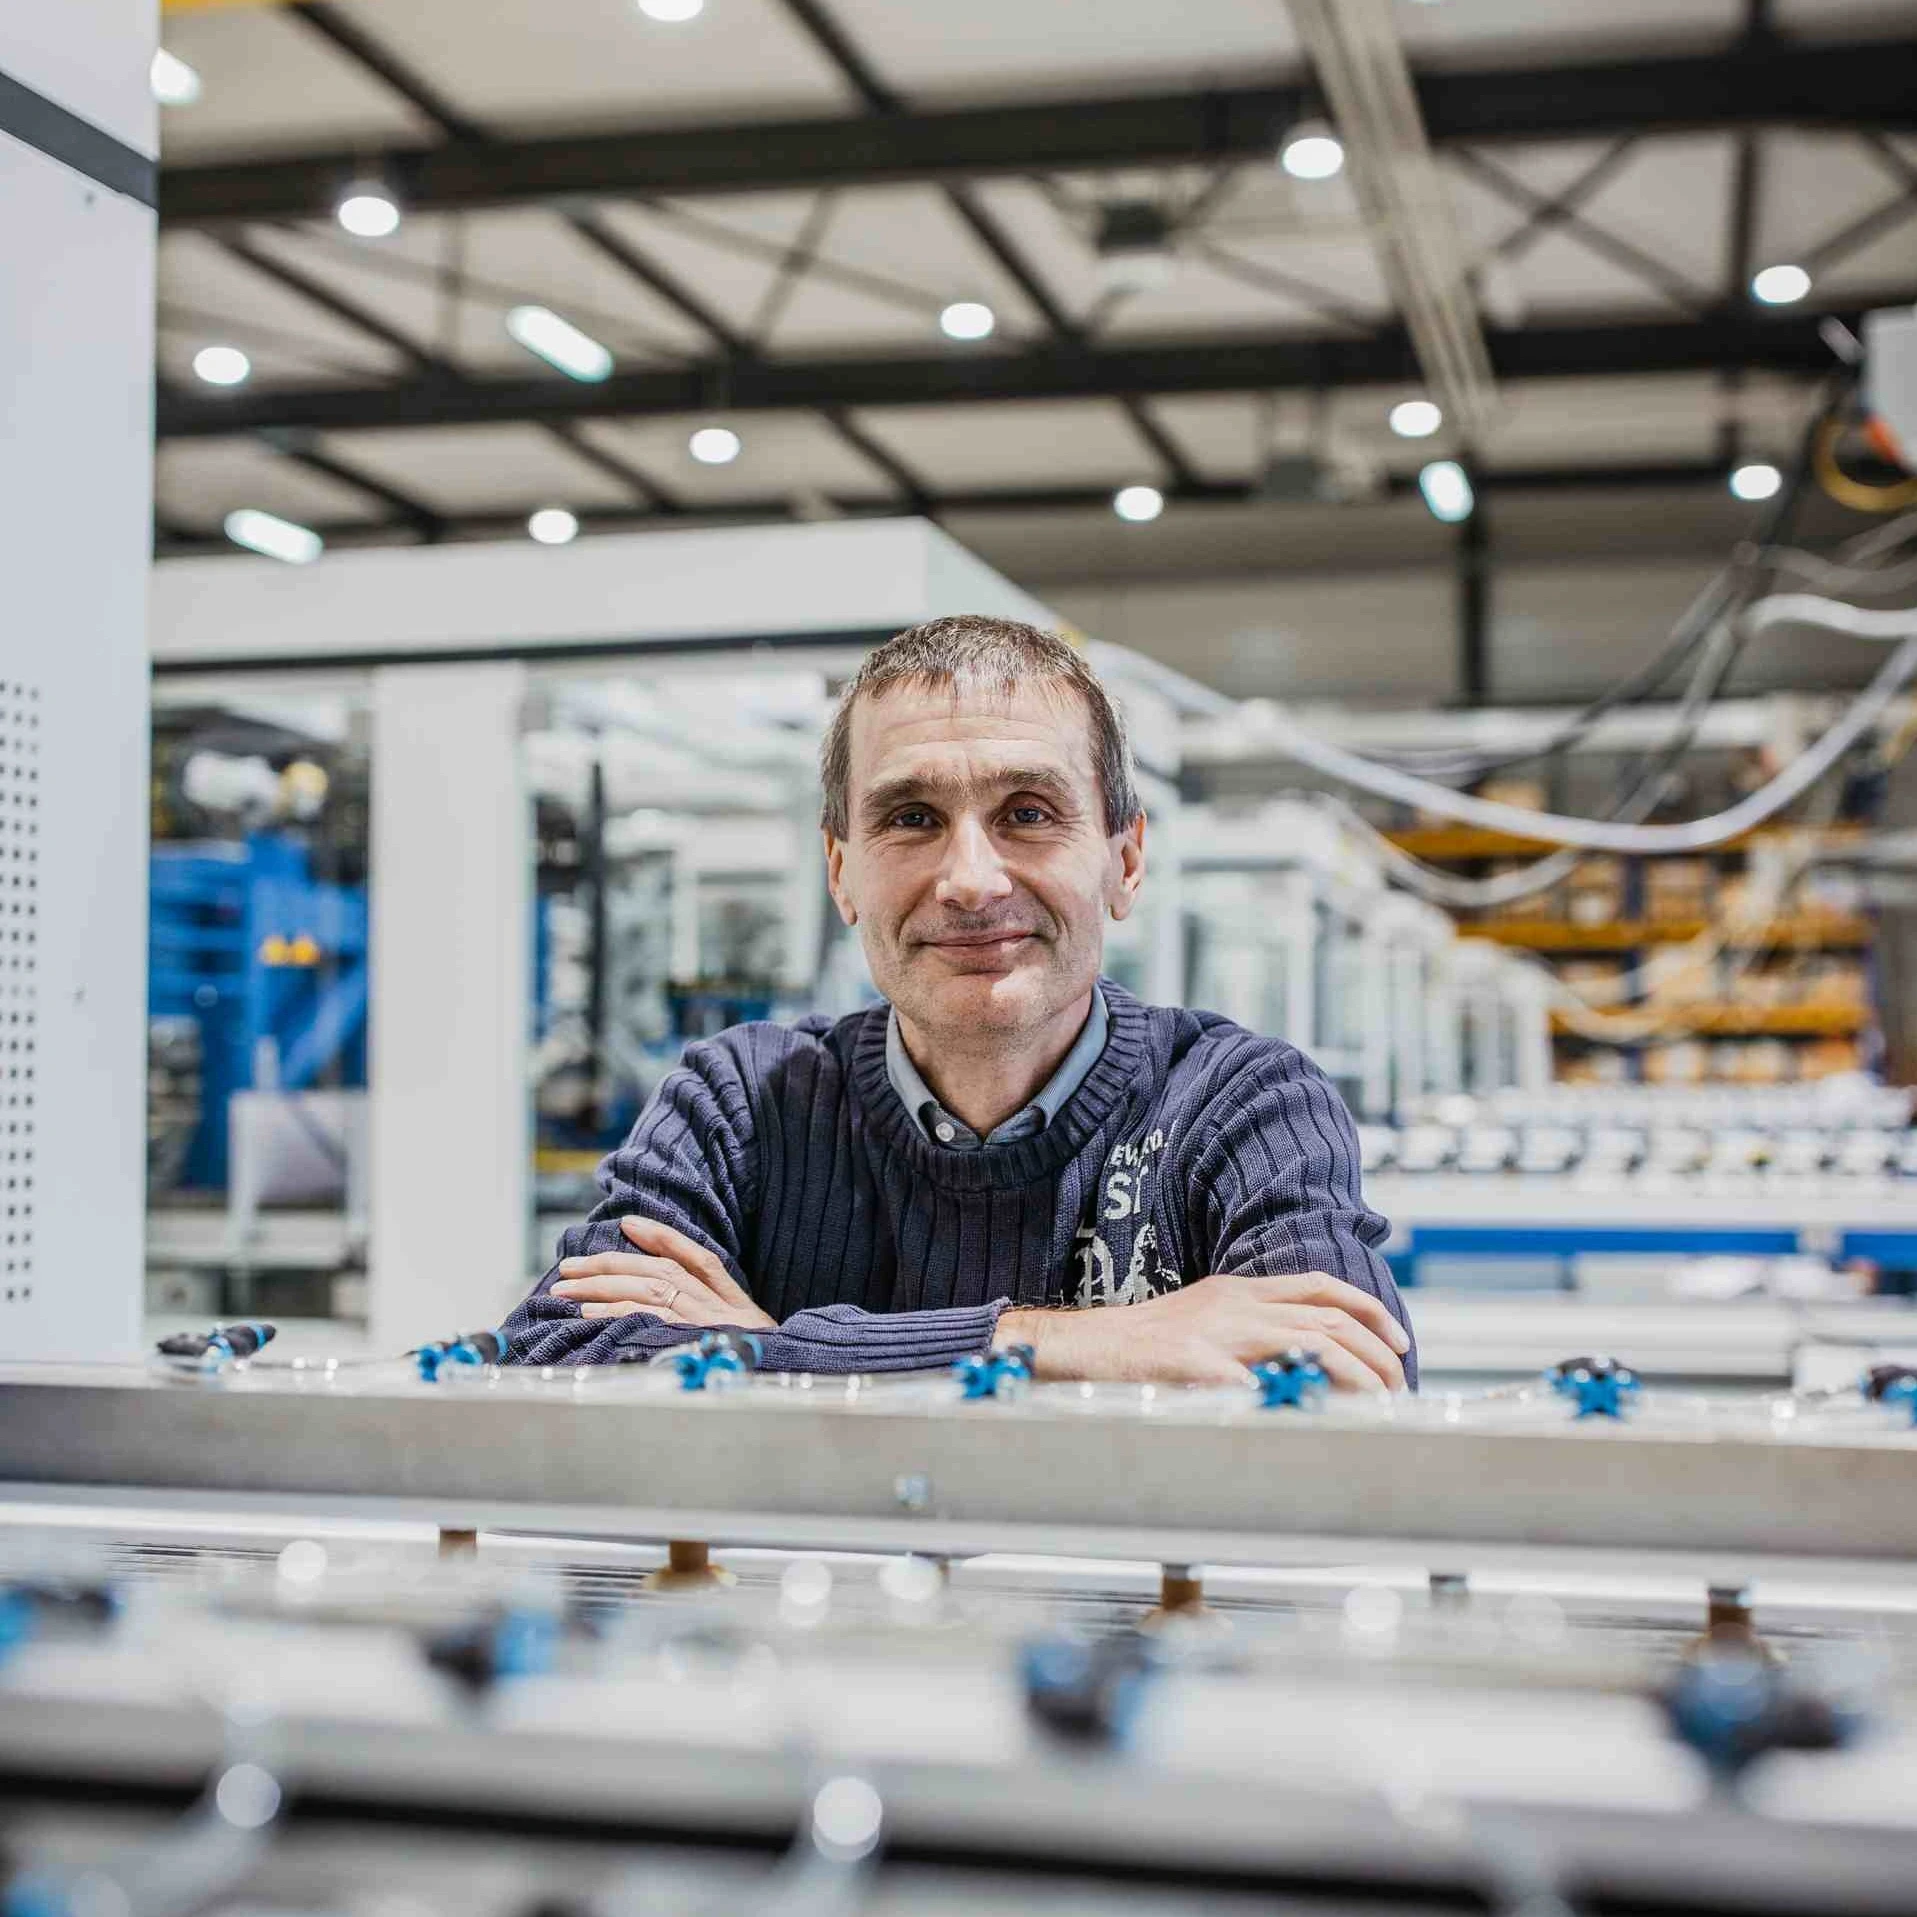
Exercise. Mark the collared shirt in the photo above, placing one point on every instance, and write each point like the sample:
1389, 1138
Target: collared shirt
945, 1128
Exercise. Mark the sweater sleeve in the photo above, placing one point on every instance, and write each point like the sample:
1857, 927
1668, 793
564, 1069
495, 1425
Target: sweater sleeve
689, 1163
1275, 1183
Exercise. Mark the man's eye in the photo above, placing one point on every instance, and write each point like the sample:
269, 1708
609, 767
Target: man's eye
914, 818
1029, 815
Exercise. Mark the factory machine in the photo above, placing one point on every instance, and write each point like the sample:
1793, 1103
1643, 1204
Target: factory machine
326, 1634
1293, 929
293, 1624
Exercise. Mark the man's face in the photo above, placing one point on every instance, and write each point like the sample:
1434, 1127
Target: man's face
976, 863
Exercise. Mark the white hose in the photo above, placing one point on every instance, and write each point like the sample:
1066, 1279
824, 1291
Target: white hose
1600, 835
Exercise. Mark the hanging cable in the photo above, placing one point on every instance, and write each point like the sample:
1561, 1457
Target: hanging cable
1611, 836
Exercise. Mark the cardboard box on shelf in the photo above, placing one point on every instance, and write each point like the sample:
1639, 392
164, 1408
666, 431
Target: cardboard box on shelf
1826, 1057
1675, 975
1677, 889
1683, 1062
1839, 983
1595, 978
1761, 987
1600, 1065
1594, 893
1527, 794
1547, 904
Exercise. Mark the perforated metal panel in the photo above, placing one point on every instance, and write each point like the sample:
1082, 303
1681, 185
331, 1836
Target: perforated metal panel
75, 344
19, 981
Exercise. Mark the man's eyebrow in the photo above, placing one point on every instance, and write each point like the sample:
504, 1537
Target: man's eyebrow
893, 793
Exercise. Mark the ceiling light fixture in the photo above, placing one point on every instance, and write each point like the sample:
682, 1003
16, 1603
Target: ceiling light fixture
1416, 418
1780, 285
560, 343
672, 11
1138, 505
174, 83
553, 526
1447, 491
1756, 480
274, 537
221, 365
968, 319
1312, 152
368, 211
715, 445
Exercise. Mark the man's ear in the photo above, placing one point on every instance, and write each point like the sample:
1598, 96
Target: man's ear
1129, 873
835, 877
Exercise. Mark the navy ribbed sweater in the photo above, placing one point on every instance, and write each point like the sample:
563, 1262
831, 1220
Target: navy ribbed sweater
1193, 1147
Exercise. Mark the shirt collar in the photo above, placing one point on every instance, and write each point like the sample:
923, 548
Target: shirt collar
933, 1119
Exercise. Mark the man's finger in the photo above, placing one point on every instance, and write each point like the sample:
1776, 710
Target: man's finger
650, 1235
1362, 1342
637, 1287
627, 1309
1340, 1366
1320, 1288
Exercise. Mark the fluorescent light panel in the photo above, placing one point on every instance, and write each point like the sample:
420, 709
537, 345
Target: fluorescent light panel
560, 343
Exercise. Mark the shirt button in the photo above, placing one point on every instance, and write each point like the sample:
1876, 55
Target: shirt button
944, 1134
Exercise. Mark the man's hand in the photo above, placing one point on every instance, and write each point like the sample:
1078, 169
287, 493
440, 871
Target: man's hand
671, 1276
1209, 1331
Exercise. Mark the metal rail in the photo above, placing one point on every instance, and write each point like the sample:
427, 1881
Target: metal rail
899, 1467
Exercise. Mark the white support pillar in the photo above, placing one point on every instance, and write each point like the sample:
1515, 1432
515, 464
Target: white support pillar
451, 1006
77, 187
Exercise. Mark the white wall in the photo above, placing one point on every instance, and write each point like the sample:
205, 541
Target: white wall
76, 382
1559, 632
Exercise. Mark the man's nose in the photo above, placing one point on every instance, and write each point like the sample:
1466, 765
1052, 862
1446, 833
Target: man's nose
973, 874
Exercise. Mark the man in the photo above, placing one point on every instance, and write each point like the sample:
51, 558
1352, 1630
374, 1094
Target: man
1012, 1151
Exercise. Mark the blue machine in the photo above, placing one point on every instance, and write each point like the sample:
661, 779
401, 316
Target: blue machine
246, 942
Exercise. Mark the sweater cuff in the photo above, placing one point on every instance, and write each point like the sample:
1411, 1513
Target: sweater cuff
842, 1338
835, 1340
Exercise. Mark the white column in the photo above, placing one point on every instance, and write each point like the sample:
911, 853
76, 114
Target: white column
76, 457
451, 1005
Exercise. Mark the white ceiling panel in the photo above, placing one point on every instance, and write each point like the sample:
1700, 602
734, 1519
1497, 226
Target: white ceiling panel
413, 282
1486, 33
1843, 19
207, 297
533, 256
731, 251
785, 456
1230, 436
1560, 275
906, 254
271, 85
479, 469
1002, 49
580, 63
1230, 291
1815, 185
999, 447
1672, 200
199, 481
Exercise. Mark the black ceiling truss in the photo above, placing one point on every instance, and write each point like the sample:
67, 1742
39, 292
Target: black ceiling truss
1782, 342
1561, 212
378, 60
1767, 83
424, 363
831, 38
1881, 219
1677, 476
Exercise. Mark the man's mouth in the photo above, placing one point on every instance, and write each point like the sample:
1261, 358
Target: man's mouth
964, 941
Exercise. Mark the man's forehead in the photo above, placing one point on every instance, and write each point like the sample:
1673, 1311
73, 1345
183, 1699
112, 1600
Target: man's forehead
1033, 721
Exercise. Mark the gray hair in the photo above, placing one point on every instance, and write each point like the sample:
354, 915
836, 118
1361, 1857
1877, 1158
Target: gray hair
971, 652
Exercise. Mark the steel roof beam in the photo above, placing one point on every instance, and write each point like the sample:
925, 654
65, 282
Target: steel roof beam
176, 539
1784, 343
1868, 85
